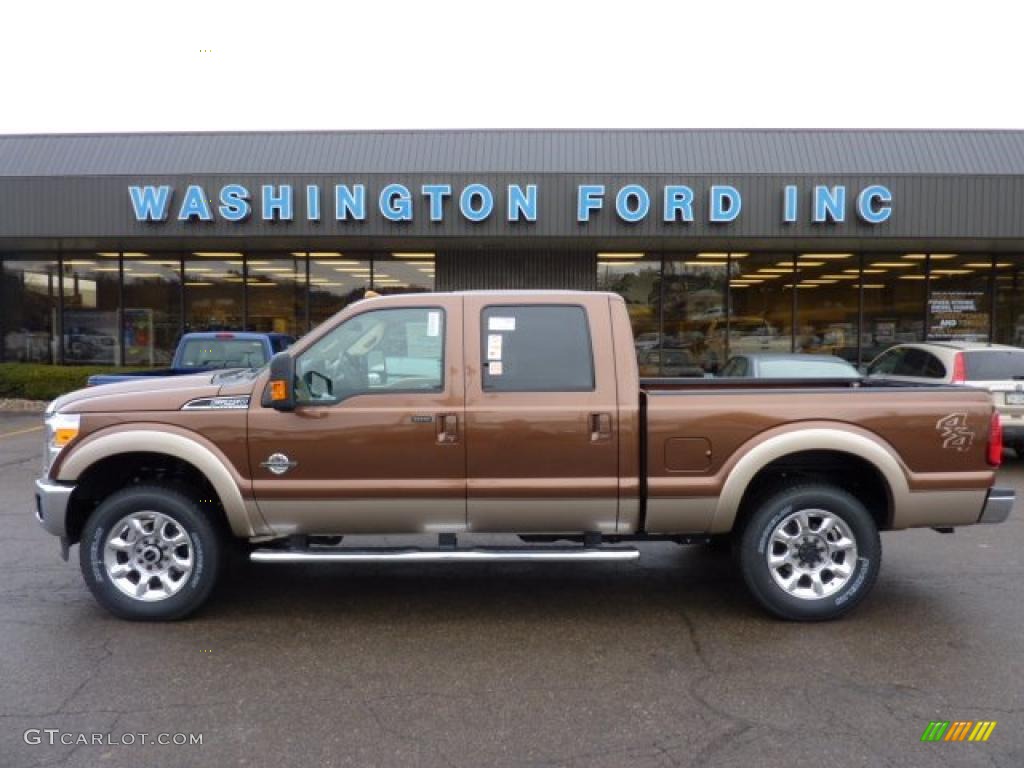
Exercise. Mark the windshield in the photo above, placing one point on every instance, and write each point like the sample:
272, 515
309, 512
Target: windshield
223, 353
792, 367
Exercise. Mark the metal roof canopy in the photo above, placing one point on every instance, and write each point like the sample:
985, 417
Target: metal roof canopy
893, 152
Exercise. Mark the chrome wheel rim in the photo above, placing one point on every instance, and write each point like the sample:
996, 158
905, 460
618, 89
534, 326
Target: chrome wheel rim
811, 554
148, 556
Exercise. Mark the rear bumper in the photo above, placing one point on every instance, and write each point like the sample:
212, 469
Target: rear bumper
998, 505
52, 506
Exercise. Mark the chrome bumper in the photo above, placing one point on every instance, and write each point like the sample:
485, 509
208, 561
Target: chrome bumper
998, 504
52, 506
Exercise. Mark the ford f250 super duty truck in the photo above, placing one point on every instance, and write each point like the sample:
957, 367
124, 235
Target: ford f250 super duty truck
497, 413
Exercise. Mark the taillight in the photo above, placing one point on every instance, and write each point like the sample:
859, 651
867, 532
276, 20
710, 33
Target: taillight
995, 441
225, 336
959, 370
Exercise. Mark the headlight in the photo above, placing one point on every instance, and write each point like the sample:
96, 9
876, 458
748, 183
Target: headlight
61, 429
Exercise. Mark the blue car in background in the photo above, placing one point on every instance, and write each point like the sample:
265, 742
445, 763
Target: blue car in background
208, 351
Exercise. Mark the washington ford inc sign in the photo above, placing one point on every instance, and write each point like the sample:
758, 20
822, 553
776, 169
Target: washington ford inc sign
631, 203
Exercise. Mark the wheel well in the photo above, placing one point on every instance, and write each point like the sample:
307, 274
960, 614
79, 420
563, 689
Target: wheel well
855, 475
124, 470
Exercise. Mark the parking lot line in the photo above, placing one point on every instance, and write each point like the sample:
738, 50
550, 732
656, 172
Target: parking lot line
20, 432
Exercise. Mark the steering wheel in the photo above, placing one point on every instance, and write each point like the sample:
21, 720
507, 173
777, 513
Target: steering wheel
367, 342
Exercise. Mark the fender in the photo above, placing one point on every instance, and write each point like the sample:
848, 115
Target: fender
242, 516
843, 439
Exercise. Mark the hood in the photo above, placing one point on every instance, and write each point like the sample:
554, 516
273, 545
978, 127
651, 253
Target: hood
146, 394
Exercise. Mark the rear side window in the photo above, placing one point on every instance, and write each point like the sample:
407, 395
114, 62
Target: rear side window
994, 365
811, 369
735, 368
537, 348
920, 364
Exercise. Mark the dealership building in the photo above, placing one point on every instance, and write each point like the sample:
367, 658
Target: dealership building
843, 242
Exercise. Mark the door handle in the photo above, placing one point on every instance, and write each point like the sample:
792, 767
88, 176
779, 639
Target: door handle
447, 428
600, 427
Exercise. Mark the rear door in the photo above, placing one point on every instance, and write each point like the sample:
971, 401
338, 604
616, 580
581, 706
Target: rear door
542, 421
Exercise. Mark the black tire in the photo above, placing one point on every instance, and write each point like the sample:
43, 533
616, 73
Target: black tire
204, 555
756, 538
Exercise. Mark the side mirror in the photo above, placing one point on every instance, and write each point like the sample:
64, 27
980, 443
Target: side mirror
280, 392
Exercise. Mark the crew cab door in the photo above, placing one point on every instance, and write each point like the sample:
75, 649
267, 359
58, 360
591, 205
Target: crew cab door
542, 422
376, 443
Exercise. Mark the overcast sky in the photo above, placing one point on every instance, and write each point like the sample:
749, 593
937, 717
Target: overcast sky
247, 65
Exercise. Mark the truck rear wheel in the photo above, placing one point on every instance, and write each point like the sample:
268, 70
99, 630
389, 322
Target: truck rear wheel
148, 553
810, 553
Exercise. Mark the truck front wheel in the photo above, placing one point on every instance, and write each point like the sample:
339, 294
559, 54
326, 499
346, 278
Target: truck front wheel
810, 553
148, 553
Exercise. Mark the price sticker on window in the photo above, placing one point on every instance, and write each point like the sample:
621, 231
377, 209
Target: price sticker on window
494, 347
433, 323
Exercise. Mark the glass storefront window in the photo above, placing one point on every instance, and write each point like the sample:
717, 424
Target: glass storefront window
959, 300
761, 298
91, 309
827, 304
214, 291
335, 281
152, 308
29, 304
276, 288
636, 277
692, 311
894, 290
1009, 300
403, 273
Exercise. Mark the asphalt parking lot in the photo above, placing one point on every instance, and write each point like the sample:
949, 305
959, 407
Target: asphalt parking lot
661, 663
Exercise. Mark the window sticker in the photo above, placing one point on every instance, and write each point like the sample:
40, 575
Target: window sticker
433, 323
494, 347
495, 368
501, 324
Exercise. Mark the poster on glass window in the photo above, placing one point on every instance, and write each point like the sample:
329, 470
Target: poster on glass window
957, 316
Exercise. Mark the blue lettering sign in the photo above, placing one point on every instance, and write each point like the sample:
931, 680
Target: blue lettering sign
829, 204
789, 203
678, 203
436, 193
350, 202
395, 203
480, 210
277, 204
720, 211
632, 203
874, 204
522, 204
195, 205
589, 197
234, 203
150, 203
312, 202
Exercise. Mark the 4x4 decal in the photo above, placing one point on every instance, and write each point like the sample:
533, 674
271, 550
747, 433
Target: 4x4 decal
954, 431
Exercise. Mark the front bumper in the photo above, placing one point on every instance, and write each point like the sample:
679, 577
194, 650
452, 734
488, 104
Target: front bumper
998, 505
52, 506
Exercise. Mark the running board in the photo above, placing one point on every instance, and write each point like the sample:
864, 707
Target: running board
411, 555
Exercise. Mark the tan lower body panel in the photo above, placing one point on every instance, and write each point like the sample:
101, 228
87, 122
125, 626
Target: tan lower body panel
351, 516
543, 515
680, 515
926, 509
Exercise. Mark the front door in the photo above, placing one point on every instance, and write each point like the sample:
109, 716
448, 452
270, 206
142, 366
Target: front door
542, 421
376, 443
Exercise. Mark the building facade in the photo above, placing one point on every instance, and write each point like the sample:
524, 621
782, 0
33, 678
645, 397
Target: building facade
842, 242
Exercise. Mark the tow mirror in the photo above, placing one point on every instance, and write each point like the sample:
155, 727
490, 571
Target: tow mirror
281, 387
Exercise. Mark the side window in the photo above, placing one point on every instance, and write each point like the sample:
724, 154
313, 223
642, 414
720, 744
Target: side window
538, 348
914, 363
385, 350
735, 367
933, 368
887, 363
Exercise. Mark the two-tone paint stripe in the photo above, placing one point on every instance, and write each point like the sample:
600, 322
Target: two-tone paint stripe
958, 730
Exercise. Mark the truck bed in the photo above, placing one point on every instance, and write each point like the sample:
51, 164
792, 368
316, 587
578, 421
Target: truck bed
697, 433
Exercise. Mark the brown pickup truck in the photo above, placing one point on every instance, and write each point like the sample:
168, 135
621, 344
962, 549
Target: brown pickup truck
503, 413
